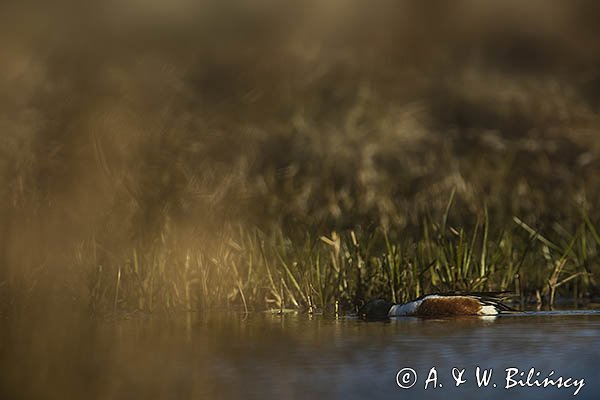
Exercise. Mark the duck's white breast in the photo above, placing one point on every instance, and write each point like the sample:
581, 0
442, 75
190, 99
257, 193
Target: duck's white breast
409, 308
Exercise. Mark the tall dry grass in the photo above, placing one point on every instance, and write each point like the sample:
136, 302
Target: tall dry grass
181, 156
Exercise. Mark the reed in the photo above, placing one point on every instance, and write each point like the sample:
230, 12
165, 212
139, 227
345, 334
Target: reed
313, 158
249, 270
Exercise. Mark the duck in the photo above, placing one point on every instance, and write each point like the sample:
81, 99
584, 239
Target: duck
438, 305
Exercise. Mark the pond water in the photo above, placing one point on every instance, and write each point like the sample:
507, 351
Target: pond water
264, 356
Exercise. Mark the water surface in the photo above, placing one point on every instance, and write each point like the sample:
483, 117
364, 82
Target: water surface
264, 356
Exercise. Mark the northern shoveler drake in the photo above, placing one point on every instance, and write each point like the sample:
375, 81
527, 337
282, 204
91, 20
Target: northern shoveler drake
437, 305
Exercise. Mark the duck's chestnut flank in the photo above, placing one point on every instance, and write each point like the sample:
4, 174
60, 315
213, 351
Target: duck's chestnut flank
456, 305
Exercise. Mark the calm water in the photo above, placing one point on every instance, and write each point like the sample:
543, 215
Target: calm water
265, 356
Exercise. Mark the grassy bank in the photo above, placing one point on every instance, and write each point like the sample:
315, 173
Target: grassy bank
245, 269
312, 155
249, 270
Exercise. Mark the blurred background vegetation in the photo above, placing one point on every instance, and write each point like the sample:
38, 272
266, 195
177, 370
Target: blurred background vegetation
252, 154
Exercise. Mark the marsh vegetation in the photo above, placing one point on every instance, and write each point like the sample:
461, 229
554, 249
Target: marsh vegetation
304, 157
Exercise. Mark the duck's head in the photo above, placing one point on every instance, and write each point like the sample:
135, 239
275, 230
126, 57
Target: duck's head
375, 309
